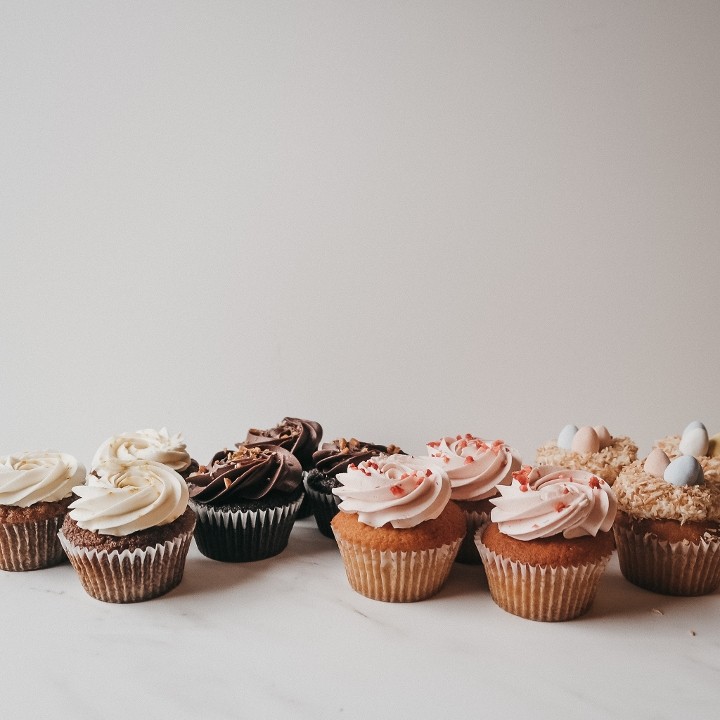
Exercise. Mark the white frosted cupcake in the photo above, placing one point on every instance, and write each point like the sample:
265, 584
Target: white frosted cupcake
156, 445
589, 448
397, 530
475, 468
128, 534
35, 491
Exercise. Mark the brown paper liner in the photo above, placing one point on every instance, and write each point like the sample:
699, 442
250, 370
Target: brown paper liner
397, 576
130, 576
670, 568
539, 592
31, 545
468, 552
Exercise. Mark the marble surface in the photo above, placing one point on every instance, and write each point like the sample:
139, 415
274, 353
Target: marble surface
287, 637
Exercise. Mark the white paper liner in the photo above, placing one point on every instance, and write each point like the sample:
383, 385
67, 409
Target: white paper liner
130, 575
324, 507
243, 535
31, 545
670, 568
539, 592
397, 576
468, 552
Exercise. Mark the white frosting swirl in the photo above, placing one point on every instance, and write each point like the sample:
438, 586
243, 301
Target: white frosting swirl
396, 489
550, 500
40, 476
128, 498
474, 466
156, 445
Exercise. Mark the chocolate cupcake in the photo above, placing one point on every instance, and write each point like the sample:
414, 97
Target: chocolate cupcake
246, 502
35, 491
333, 458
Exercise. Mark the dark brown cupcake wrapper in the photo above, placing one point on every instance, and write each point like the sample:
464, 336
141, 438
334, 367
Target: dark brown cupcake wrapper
243, 535
324, 508
539, 592
31, 545
670, 568
129, 576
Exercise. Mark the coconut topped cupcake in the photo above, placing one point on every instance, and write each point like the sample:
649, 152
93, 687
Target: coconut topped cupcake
589, 448
694, 441
300, 437
660, 489
156, 445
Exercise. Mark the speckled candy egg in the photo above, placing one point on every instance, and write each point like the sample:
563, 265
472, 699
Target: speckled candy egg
586, 440
684, 471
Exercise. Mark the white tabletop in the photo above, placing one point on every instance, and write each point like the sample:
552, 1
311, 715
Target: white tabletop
287, 637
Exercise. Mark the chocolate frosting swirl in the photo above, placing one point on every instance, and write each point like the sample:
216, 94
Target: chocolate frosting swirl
300, 437
248, 473
336, 456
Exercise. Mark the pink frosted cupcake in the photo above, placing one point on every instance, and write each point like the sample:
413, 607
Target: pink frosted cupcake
589, 448
475, 468
397, 530
548, 542
35, 491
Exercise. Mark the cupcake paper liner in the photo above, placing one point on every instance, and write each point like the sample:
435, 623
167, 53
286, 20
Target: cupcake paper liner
243, 535
670, 568
468, 552
31, 545
324, 508
130, 575
393, 576
539, 592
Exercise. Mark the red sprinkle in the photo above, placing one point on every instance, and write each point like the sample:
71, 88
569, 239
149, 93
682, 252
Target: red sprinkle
594, 483
434, 443
560, 506
469, 459
397, 491
524, 488
428, 472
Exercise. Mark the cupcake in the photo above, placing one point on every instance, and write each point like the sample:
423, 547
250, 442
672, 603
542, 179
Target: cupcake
300, 437
156, 445
694, 441
128, 533
589, 448
246, 502
35, 491
475, 468
548, 542
668, 525
397, 530
333, 458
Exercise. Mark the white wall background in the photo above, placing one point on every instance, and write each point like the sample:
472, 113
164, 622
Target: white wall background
402, 219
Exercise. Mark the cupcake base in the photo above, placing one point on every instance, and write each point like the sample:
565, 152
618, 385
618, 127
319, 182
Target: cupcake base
650, 559
29, 536
134, 573
543, 592
234, 534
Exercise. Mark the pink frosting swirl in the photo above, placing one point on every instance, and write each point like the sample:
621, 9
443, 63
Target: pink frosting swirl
547, 501
397, 489
475, 466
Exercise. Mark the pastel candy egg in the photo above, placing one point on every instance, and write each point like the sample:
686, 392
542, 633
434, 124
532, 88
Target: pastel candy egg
656, 462
586, 440
683, 471
694, 424
603, 436
565, 438
714, 446
694, 442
